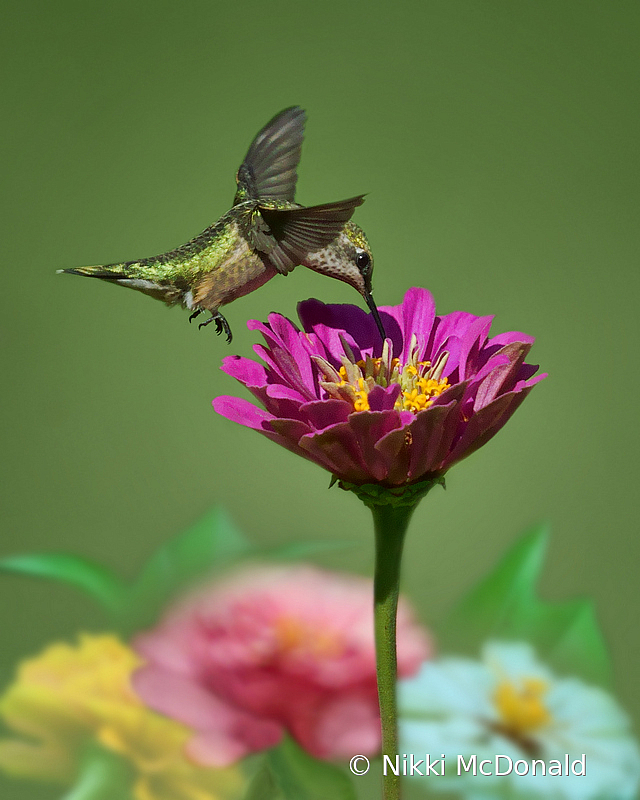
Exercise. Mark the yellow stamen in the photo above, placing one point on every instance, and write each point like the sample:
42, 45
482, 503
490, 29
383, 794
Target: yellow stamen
521, 707
420, 381
294, 635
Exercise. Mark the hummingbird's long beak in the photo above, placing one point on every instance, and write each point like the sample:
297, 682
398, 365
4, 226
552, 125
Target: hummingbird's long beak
374, 310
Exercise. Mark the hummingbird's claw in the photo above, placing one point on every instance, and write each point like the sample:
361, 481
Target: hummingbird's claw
195, 314
221, 325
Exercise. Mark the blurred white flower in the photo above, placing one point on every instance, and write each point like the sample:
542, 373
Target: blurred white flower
510, 705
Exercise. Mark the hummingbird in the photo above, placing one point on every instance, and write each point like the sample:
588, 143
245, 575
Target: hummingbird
265, 233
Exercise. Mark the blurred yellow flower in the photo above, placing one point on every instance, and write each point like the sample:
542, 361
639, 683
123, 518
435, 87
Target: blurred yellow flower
69, 697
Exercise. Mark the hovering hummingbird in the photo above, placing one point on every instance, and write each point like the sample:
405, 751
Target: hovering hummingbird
264, 233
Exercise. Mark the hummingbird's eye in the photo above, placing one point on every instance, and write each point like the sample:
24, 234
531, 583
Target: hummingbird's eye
363, 260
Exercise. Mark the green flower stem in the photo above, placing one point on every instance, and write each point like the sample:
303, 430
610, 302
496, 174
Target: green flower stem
392, 509
390, 525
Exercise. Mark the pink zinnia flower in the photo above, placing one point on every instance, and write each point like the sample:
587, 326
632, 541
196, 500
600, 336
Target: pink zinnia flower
269, 650
392, 413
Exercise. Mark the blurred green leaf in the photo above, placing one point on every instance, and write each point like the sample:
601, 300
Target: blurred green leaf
264, 785
302, 777
211, 543
103, 776
504, 605
94, 579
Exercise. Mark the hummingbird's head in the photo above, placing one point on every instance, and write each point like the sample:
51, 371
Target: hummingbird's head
348, 258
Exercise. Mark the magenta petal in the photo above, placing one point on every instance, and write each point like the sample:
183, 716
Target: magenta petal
322, 413
502, 377
285, 368
248, 372
369, 427
484, 424
509, 337
281, 401
452, 346
418, 315
432, 432
337, 448
471, 342
384, 399
449, 325
291, 343
527, 371
278, 392
328, 321
530, 382
455, 392
242, 411
289, 432
395, 449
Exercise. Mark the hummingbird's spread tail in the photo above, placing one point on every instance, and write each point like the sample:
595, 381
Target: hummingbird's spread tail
117, 273
111, 272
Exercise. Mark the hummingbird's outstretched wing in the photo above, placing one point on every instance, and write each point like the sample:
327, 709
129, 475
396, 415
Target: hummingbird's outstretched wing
287, 236
269, 168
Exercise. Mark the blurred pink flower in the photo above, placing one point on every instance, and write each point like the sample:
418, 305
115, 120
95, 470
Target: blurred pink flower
273, 649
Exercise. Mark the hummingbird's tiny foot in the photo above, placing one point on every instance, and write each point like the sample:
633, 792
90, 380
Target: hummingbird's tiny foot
221, 325
195, 314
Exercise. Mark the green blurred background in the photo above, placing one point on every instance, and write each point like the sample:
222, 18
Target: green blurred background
498, 145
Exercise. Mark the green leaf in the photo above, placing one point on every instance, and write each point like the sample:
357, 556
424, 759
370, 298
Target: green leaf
302, 777
213, 542
103, 776
263, 785
92, 578
504, 605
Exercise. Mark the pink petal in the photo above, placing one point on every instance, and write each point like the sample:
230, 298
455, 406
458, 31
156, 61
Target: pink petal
322, 413
337, 447
418, 316
243, 412
369, 427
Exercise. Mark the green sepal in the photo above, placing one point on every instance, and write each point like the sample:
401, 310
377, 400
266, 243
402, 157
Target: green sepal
299, 776
103, 776
93, 579
505, 605
374, 494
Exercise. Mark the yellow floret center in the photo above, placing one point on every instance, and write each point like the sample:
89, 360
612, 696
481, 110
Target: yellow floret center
420, 381
521, 706
295, 636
